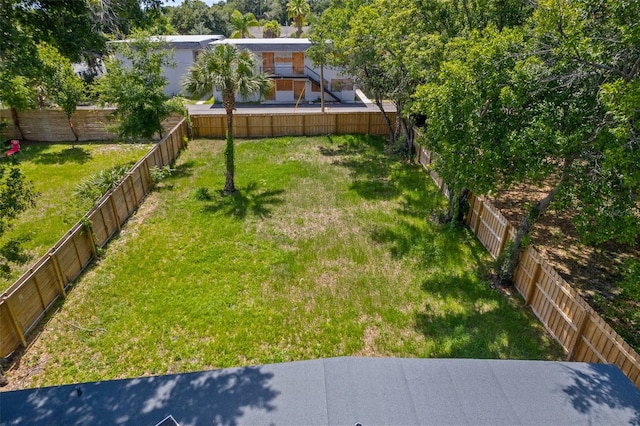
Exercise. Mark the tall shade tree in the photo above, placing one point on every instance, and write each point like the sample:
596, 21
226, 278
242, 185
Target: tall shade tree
60, 85
241, 24
135, 84
298, 10
233, 71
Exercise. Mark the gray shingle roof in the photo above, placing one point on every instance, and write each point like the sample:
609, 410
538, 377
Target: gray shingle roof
345, 391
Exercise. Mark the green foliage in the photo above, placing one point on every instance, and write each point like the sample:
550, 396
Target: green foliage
298, 10
159, 174
271, 29
54, 170
60, 86
241, 24
16, 195
136, 87
195, 17
89, 191
202, 194
631, 280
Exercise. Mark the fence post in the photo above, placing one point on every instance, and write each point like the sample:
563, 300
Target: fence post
58, 271
532, 286
580, 326
14, 322
476, 226
88, 228
503, 241
115, 211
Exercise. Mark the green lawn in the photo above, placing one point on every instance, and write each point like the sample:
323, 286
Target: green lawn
329, 249
55, 169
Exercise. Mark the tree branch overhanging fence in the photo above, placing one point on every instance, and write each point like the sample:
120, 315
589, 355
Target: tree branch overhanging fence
584, 335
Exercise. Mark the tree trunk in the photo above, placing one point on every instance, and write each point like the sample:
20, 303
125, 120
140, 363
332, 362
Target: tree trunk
508, 266
229, 185
458, 205
75, 135
392, 138
16, 122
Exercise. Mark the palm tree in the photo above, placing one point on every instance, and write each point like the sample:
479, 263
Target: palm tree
233, 71
241, 23
298, 9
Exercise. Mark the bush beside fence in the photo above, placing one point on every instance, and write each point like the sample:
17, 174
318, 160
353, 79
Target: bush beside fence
29, 298
568, 317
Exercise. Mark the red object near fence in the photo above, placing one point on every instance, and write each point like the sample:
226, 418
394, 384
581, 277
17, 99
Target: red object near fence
15, 148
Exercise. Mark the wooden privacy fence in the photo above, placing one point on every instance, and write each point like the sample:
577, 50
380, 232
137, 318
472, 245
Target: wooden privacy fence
28, 299
568, 317
294, 124
51, 125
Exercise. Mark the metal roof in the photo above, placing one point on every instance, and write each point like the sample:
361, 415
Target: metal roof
345, 391
268, 44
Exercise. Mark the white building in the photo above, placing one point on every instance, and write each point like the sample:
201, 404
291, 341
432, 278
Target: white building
296, 78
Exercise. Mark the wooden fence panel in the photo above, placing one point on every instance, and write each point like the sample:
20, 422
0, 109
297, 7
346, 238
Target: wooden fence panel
120, 203
320, 124
26, 304
212, 126
8, 331
104, 222
51, 125
74, 254
26, 301
294, 124
492, 229
291, 125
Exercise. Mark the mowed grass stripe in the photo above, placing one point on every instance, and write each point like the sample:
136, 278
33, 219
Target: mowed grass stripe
331, 248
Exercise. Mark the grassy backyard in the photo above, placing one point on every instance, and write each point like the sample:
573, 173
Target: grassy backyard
329, 249
55, 169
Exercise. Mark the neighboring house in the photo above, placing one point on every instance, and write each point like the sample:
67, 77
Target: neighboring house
185, 51
295, 76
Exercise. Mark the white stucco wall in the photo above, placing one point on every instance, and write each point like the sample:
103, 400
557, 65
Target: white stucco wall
183, 59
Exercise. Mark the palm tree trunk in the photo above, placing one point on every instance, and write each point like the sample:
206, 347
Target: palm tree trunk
229, 186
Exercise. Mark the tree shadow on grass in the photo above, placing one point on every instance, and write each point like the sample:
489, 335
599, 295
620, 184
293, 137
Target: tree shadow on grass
74, 154
249, 200
435, 246
465, 318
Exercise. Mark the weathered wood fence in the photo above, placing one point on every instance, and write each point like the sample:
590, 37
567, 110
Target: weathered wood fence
293, 124
50, 125
29, 298
568, 317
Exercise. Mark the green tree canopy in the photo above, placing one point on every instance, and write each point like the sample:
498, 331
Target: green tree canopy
195, 17
134, 83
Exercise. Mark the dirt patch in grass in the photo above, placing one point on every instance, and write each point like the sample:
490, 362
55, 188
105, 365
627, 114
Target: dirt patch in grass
595, 272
